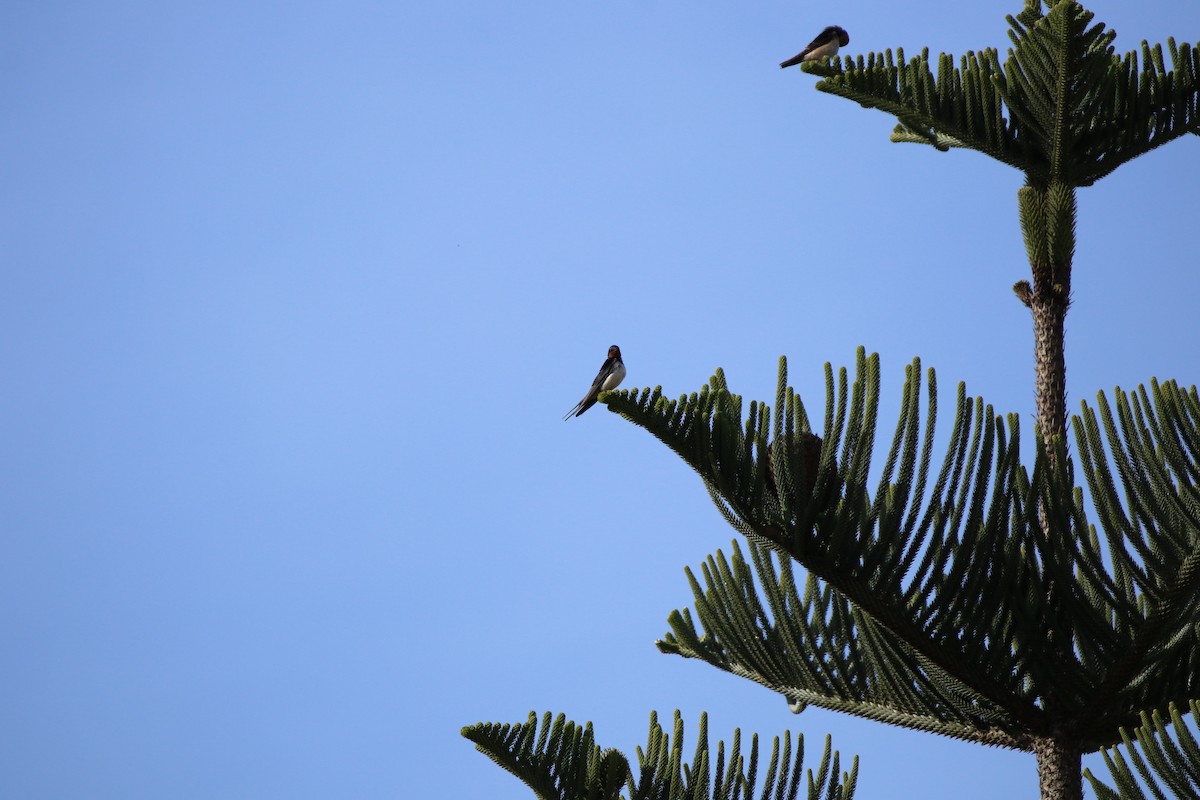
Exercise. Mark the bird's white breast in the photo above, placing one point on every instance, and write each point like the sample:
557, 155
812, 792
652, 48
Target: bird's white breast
830, 48
614, 379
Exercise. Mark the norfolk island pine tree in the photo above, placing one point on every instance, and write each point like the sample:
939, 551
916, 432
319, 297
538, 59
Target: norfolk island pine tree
979, 603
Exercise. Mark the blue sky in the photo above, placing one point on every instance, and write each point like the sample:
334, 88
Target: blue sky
296, 294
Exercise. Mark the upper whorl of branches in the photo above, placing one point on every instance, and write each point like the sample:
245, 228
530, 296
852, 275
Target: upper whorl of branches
1062, 106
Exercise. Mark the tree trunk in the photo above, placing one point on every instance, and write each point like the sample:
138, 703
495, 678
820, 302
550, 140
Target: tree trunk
1059, 771
1047, 213
1050, 366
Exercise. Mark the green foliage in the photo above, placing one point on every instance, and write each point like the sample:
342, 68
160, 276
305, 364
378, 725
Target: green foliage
1063, 106
1170, 763
562, 762
1048, 224
941, 621
817, 649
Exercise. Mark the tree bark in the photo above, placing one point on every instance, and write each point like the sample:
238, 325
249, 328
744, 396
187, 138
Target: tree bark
1048, 222
1047, 213
1050, 366
1059, 768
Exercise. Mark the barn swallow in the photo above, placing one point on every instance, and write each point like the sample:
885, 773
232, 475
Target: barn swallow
826, 44
612, 372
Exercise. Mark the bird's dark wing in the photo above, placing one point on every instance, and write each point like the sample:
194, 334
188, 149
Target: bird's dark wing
589, 399
606, 369
796, 59
823, 37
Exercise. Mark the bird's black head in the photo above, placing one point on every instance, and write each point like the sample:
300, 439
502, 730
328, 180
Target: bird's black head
840, 32
614, 352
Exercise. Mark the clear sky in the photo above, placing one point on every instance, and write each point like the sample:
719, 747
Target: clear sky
295, 296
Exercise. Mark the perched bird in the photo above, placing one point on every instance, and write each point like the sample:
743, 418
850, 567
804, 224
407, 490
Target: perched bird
826, 44
612, 372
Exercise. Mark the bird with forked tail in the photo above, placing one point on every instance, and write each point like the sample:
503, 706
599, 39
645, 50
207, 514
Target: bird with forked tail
826, 44
612, 372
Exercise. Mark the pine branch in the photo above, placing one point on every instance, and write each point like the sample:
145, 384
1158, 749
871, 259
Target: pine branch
560, 761
1156, 450
939, 622
1165, 766
819, 650
834, 533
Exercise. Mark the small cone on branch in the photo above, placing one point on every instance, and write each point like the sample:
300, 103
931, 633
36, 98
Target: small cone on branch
806, 446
